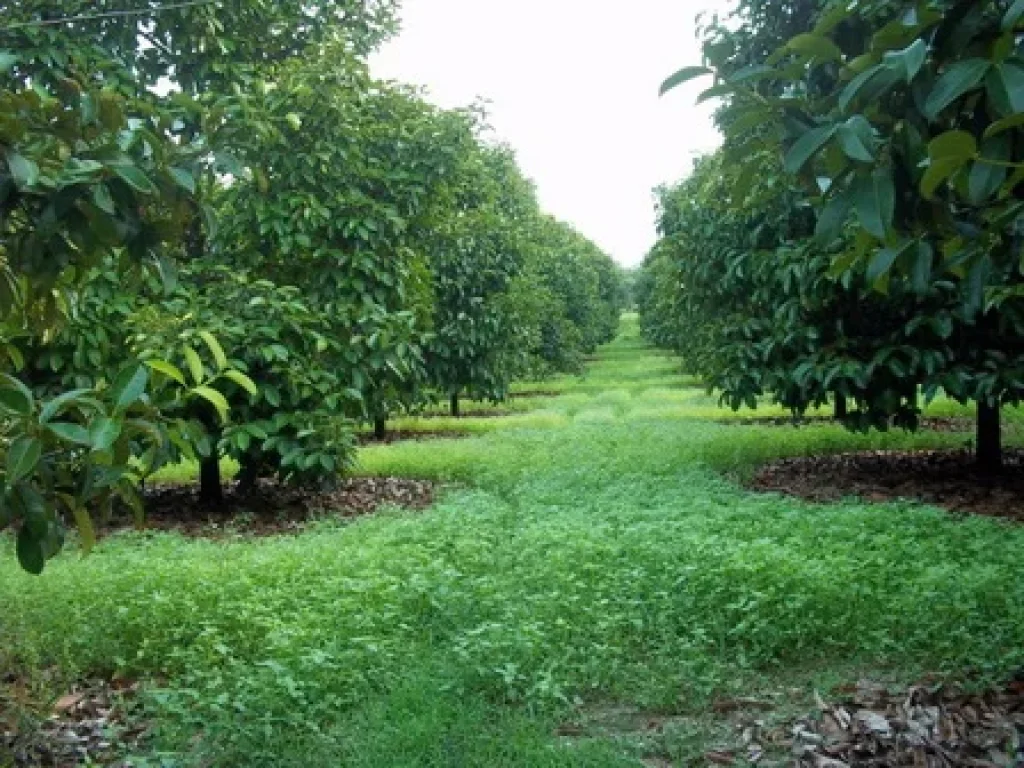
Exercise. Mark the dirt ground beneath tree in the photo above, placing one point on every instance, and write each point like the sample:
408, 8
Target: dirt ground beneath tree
947, 479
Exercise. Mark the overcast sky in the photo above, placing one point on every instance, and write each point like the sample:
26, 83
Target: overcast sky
573, 87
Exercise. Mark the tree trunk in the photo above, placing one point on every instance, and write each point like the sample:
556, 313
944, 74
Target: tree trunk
210, 489
380, 427
989, 455
455, 405
842, 409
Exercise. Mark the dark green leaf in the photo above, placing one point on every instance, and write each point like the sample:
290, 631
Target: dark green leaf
130, 386
807, 146
961, 78
30, 552
857, 139
22, 457
136, 179
875, 200
23, 170
70, 432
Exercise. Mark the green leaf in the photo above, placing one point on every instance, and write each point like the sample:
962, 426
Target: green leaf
71, 433
807, 146
56, 405
195, 365
15, 397
1013, 16
875, 201
184, 179
959, 145
22, 457
1006, 124
921, 273
908, 61
243, 381
136, 179
7, 61
833, 217
169, 370
30, 552
24, 171
986, 178
103, 432
684, 75
815, 46
130, 385
215, 348
102, 199
294, 121
717, 91
880, 264
215, 398
961, 78
857, 139
1004, 85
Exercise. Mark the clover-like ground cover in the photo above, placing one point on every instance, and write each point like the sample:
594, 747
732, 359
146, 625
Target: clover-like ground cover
597, 561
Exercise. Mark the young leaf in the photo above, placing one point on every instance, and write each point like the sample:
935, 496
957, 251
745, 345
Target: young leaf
215, 348
167, 369
214, 398
243, 381
195, 365
684, 75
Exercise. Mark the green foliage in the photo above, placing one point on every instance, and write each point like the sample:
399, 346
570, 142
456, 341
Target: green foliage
899, 125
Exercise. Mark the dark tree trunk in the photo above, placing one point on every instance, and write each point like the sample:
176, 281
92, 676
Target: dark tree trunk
210, 489
380, 427
455, 405
989, 438
248, 472
842, 409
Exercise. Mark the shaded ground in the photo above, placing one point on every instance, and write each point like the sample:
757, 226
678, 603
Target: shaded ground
945, 478
88, 725
399, 435
930, 423
270, 509
921, 726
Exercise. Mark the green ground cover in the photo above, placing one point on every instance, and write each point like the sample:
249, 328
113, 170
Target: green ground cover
592, 554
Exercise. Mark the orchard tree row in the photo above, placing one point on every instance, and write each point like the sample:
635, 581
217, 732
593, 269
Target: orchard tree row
858, 238
221, 236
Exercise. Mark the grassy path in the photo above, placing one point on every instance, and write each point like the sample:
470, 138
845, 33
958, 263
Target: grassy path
592, 565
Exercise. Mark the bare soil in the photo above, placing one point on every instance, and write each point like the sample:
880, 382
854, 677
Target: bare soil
948, 479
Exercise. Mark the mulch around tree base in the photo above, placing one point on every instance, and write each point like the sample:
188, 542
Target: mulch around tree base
871, 726
269, 508
947, 479
87, 726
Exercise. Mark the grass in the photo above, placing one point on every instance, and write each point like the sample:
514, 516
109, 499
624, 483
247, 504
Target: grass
594, 558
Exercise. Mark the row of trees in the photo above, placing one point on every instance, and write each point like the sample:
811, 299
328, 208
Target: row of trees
220, 236
858, 237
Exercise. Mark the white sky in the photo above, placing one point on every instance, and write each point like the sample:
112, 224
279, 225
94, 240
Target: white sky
573, 87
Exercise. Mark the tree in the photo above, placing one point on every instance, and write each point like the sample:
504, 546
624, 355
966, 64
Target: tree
908, 120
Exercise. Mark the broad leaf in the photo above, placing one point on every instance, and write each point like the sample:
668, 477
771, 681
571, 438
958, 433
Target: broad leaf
807, 146
961, 78
875, 201
22, 457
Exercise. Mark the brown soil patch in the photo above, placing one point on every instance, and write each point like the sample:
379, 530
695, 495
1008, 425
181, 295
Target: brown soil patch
945, 478
271, 509
404, 435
